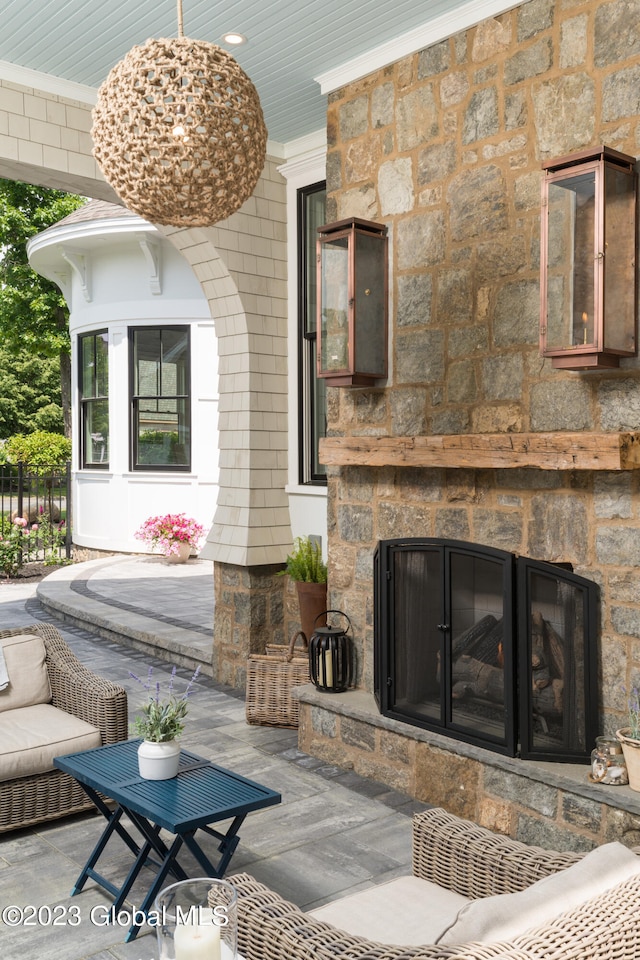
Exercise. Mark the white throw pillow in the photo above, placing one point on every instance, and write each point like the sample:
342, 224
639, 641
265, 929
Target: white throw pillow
25, 656
508, 915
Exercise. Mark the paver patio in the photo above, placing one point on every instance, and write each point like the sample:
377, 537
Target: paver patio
333, 833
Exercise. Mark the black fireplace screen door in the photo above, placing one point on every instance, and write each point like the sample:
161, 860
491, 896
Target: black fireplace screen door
558, 704
441, 610
485, 648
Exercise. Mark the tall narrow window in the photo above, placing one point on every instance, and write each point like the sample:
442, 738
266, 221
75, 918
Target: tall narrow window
312, 391
93, 367
160, 401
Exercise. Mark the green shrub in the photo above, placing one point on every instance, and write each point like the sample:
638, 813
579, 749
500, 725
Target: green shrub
39, 449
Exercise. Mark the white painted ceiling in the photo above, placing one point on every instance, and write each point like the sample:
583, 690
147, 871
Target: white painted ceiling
291, 43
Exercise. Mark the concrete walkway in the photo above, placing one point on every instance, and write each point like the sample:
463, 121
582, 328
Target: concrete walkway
333, 833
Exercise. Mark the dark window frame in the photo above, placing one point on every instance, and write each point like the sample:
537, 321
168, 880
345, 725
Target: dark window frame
311, 390
87, 401
134, 401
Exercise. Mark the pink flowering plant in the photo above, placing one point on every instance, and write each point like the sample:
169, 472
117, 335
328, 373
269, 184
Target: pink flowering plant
22, 542
167, 533
14, 543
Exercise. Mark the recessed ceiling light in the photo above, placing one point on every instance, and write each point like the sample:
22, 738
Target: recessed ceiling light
234, 38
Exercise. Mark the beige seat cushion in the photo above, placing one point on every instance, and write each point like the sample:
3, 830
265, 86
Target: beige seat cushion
510, 914
406, 911
24, 656
30, 737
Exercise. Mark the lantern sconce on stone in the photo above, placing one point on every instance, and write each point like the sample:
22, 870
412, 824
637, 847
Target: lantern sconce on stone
178, 132
352, 302
588, 244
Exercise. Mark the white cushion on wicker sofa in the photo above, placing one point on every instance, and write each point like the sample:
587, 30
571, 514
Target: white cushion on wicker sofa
24, 656
405, 911
32, 736
508, 915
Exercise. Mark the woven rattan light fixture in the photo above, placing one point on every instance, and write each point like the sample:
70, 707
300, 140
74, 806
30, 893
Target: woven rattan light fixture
178, 131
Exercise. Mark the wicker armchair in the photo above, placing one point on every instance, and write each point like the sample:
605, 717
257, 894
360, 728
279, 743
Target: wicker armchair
471, 861
76, 690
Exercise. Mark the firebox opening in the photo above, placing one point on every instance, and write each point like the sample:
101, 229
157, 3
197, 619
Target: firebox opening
487, 647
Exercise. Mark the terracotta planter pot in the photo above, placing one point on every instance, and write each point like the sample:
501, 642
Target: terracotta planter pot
631, 751
184, 552
312, 599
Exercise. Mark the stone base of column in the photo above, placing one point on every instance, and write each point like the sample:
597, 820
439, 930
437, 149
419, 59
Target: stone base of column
248, 614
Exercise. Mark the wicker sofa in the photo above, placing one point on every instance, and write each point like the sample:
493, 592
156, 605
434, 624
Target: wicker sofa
99, 705
471, 861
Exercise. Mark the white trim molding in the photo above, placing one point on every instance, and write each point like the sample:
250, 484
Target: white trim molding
430, 33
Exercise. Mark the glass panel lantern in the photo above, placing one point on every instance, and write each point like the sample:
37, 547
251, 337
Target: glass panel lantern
588, 260
352, 306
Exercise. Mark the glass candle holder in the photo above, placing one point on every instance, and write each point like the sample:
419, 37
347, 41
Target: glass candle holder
608, 763
197, 920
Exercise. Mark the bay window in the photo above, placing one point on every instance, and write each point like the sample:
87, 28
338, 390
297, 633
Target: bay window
160, 398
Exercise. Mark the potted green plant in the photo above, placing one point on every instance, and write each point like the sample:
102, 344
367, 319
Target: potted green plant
160, 723
308, 570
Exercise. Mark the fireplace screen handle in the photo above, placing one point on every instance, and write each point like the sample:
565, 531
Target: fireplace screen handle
444, 626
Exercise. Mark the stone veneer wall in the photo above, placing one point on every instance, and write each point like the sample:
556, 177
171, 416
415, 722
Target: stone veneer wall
445, 147
254, 606
248, 615
551, 805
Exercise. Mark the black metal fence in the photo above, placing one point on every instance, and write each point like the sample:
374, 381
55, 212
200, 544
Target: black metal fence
39, 499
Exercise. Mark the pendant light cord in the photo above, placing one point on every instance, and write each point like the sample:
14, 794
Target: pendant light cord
180, 30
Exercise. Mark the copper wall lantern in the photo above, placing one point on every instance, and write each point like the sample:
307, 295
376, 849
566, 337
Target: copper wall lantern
588, 260
352, 303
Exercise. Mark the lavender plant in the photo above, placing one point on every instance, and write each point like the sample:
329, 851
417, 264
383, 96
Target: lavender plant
633, 718
162, 719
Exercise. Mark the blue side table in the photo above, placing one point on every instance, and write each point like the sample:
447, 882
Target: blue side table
200, 795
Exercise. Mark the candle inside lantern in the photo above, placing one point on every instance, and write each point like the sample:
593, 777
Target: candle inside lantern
328, 669
585, 320
198, 941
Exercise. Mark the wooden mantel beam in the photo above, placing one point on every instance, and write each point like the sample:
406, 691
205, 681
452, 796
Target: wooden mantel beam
544, 451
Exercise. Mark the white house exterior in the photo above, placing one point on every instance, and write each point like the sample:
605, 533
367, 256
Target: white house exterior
144, 374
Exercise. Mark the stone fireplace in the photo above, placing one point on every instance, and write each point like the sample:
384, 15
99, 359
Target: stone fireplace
572, 521
474, 437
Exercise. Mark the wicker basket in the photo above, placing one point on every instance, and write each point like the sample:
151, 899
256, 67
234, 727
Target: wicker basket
270, 679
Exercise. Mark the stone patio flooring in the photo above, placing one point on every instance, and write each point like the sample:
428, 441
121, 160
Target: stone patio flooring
333, 833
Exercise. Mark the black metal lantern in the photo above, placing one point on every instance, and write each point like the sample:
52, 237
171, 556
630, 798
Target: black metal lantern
331, 656
352, 302
588, 260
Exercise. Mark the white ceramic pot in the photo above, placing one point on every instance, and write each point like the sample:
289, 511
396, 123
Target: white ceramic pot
158, 761
183, 554
631, 751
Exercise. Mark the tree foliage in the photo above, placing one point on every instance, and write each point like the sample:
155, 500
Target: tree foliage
33, 313
39, 449
29, 393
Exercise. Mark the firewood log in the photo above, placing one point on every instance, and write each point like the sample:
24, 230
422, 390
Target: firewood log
540, 676
473, 678
487, 647
554, 644
465, 640
548, 702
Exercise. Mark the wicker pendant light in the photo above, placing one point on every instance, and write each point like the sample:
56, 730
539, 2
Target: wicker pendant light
178, 131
